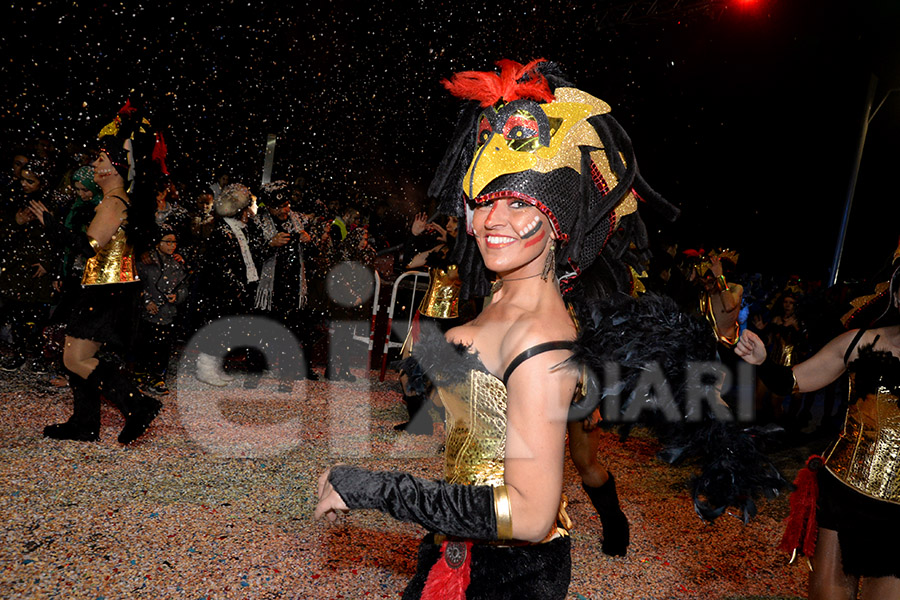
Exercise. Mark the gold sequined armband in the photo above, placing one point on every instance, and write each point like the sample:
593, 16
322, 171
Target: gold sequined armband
94, 244
504, 513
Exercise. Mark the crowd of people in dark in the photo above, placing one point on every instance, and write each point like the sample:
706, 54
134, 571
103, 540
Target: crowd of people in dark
219, 248
228, 248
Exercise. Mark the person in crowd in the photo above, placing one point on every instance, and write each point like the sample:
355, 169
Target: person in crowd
228, 274
343, 223
350, 286
165, 288
221, 180
858, 507
283, 288
29, 268
168, 211
105, 314
497, 523
19, 157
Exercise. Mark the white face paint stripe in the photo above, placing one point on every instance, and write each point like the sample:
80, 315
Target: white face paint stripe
530, 226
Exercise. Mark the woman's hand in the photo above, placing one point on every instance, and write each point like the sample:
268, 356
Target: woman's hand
38, 209
40, 271
330, 502
442, 233
751, 348
152, 308
419, 224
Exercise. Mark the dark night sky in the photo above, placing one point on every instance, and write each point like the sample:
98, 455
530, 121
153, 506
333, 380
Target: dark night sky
747, 116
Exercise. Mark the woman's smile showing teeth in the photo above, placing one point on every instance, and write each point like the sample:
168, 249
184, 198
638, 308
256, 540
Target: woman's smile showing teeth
499, 241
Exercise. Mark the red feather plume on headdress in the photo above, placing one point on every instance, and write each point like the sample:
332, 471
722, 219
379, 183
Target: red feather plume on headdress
514, 82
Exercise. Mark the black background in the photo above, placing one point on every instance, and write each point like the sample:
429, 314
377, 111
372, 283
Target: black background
745, 113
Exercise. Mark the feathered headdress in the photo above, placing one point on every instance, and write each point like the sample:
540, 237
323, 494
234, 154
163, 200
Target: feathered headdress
527, 133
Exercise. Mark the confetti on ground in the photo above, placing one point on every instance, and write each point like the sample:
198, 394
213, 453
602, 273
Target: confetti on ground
178, 515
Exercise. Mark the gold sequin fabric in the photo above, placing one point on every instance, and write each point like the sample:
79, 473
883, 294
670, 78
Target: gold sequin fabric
866, 456
113, 263
476, 430
441, 301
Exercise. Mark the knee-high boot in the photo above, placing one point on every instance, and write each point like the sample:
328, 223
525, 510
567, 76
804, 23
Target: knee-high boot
84, 424
139, 409
616, 532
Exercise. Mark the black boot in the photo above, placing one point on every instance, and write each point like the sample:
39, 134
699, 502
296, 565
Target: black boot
139, 409
84, 424
616, 532
420, 422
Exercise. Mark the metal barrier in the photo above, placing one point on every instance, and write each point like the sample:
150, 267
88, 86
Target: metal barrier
388, 344
370, 339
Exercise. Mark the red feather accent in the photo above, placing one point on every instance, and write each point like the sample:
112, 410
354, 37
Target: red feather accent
159, 153
128, 108
446, 583
801, 530
514, 82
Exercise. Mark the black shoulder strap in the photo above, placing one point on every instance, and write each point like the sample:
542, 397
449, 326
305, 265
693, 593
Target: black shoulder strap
534, 351
853, 344
124, 201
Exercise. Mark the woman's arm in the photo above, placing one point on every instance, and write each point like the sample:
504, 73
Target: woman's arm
539, 396
109, 216
811, 375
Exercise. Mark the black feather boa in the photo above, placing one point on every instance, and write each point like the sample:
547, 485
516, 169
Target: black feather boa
652, 333
874, 369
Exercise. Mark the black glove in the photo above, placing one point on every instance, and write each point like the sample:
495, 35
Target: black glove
465, 511
779, 379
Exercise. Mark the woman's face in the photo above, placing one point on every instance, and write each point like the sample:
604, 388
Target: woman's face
788, 304
83, 193
452, 225
512, 235
104, 171
167, 244
30, 182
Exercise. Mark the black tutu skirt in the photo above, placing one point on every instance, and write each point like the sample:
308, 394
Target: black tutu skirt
868, 529
533, 572
107, 314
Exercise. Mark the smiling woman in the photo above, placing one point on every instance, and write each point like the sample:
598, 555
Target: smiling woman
536, 202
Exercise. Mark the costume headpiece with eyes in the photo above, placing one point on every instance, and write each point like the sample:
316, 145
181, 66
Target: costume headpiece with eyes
529, 135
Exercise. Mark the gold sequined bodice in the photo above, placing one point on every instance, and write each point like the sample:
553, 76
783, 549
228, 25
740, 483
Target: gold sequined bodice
113, 263
866, 456
441, 301
476, 429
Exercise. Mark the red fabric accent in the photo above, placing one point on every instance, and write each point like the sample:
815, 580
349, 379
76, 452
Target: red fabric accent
159, 153
801, 530
514, 82
445, 582
415, 328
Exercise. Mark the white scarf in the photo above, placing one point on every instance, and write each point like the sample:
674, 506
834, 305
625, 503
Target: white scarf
237, 227
265, 291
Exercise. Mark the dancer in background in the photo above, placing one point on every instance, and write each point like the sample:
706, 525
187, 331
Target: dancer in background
105, 314
858, 509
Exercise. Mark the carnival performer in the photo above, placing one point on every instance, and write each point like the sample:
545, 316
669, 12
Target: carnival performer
858, 507
549, 190
105, 314
440, 304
